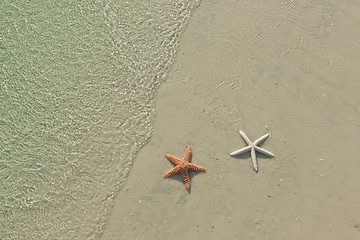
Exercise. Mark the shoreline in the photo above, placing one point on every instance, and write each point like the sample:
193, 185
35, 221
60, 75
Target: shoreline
257, 68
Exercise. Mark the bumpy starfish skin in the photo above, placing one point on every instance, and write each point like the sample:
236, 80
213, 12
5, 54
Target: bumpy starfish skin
183, 166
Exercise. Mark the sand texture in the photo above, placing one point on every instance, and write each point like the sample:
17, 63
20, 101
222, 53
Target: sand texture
291, 68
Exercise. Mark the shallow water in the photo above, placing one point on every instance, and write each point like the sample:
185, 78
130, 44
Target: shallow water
77, 85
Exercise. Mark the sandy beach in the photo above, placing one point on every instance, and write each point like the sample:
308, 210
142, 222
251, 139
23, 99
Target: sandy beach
289, 68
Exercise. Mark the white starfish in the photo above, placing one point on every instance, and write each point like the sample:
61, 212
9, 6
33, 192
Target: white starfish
253, 147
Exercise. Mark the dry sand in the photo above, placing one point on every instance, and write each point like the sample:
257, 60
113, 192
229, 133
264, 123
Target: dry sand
288, 68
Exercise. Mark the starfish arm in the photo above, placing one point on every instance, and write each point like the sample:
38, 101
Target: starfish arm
172, 171
263, 151
186, 178
193, 167
261, 139
240, 151
246, 139
188, 154
173, 159
253, 158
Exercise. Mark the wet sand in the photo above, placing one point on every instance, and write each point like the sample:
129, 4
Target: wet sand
288, 68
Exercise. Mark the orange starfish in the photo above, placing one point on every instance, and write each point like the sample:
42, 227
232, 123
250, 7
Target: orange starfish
183, 166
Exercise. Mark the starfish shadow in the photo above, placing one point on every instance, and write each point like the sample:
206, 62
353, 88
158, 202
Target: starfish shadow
179, 178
